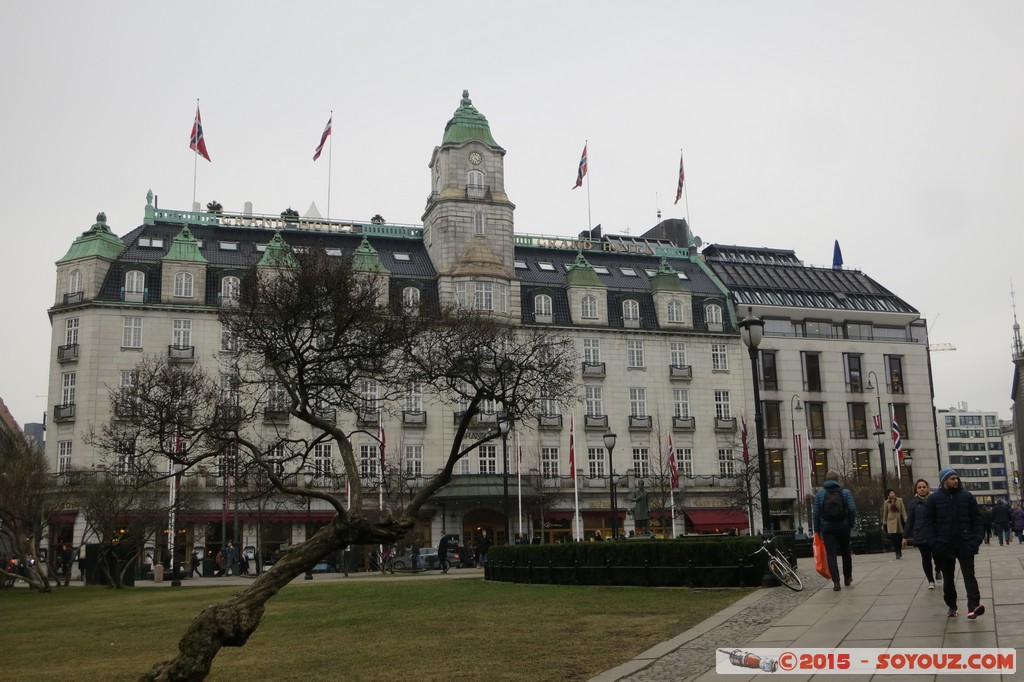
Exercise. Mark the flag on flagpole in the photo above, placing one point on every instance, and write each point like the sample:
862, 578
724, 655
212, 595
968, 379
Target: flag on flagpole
743, 439
897, 442
837, 257
679, 188
383, 439
877, 418
572, 446
197, 143
582, 169
673, 469
323, 139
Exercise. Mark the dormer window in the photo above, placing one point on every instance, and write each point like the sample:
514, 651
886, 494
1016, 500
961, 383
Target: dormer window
134, 286
183, 282
543, 265
230, 288
588, 307
630, 310
676, 311
229, 246
628, 272
542, 308
411, 300
713, 317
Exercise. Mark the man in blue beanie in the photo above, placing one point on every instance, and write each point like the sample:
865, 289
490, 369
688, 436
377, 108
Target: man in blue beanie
952, 527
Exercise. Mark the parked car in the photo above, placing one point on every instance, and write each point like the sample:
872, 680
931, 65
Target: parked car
460, 557
427, 560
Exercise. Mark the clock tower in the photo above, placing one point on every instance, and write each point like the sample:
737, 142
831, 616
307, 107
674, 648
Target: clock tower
467, 225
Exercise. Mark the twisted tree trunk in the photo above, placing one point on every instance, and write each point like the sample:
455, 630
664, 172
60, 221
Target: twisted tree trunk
230, 623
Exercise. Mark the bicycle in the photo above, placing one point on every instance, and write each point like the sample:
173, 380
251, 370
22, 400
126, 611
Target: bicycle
780, 566
385, 561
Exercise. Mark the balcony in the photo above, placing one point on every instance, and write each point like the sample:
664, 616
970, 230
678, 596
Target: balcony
683, 423
367, 417
725, 423
182, 353
275, 415
773, 432
478, 192
549, 421
540, 318
230, 301
488, 418
680, 372
640, 423
855, 386
327, 414
593, 369
135, 296
76, 297
226, 413
64, 413
414, 418
595, 421
631, 322
68, 353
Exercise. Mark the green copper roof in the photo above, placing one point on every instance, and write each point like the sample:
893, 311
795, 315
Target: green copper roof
666, 278
185, 247
468, 124
97, 241
582, 274
277, 254
366, 258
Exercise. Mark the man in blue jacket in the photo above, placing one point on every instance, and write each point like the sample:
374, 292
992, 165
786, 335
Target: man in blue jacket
952, 528
835, 513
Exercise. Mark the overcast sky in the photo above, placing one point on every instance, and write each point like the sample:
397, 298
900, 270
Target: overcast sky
895, 127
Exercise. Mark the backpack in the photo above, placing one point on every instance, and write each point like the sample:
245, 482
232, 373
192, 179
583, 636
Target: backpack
833, 506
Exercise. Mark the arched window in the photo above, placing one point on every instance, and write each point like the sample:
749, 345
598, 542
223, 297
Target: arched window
478, 223
542, 305
588, 307
134, 282
713, 313
675, 311
475, 179
230, 288
630, 309
411, 300
75, 282
183, 284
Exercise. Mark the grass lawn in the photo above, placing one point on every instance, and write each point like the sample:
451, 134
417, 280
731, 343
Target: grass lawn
414, 630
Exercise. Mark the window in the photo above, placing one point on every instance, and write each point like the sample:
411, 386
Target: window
71, 331
410, 300
815, 419
521, 265
676, 312
594, 401
478, 223
75, 282
414, 396
549, 462
858, 331
726, 464
323, 460
591, 350
464, 466
684, 461
484, 298
544, 265
719, 357
894, 373
635, 353
277, 398
819, 466
595, 462
183, 284
228, 389
134, 286
776, 467
588, 307
628, 272
713, 316
637, 402
547, 403
489, 459
772, 411
857, 413
542, 305
677, 353
369, 457
475, 179
862, 464
229, 246
368, 395
819, 330
630, 310
723, 410
181, 333
812, 370
769, 375
151, 242
899, 412
131, 336
230, 289
641, 462
854, 377
67, 388
680, 402
414, 459
228, 341
63, 456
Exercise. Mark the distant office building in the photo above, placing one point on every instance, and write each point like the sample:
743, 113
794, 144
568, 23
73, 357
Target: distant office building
973, 442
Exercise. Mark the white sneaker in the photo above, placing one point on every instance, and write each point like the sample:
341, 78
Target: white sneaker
931, 586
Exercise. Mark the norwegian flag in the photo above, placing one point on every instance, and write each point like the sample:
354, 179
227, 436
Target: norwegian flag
897, 442
582, 169
197, 143
572, 446
672, 468
323, 138
679, 188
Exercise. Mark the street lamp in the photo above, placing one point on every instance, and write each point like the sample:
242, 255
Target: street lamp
505, 425
908, 461
793, 409
613, 480
309, 476
879, 432
752, 331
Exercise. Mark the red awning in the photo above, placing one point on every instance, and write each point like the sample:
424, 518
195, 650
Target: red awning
717, 520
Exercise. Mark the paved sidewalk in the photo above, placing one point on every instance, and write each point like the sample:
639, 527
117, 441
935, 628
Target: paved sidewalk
888, 605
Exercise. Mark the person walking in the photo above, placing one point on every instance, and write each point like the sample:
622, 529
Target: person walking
952, 528
1017, 521
986, 522
894, 516
446, 544
913, 532
1001, 521
197, 563
834, 515
483, 544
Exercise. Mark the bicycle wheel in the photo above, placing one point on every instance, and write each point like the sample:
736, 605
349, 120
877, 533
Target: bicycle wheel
786, 575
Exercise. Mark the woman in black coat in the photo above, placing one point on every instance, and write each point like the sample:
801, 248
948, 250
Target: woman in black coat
913, 531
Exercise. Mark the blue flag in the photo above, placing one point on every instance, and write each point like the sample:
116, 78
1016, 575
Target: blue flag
837, 257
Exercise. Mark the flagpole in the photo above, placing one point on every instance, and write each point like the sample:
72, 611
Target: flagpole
577, 534
590, 221
686, 196
519, 479
330, 156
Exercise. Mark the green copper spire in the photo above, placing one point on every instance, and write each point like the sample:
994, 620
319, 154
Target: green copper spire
366, 258
185, 247
277, 254
582, 274
97, 241
468, 124
666, 278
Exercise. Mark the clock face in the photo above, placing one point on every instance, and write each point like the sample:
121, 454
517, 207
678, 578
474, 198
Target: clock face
475, 158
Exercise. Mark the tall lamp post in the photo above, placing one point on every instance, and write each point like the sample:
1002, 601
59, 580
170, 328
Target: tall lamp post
793, 409
309, 476
505, 425
752, 331
609, 443
908, 461
880, 431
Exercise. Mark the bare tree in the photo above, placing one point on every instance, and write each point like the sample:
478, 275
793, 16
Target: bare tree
25, 504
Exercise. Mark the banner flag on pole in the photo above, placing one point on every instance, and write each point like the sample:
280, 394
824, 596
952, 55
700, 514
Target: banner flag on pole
577, 531
197, 143
323, 139
572, 446
897, 442
582, 171
382, 437
679, 188
672, 467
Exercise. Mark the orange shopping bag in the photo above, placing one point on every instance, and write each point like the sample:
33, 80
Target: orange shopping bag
820, 559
